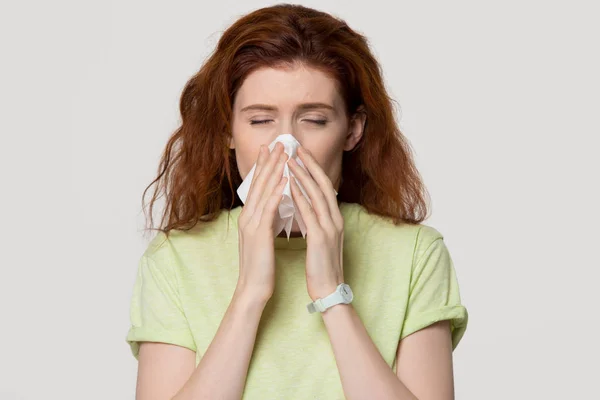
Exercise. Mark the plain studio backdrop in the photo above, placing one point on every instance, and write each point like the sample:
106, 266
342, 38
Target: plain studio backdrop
500, 101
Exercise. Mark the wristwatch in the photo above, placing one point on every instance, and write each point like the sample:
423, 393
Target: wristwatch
342, 295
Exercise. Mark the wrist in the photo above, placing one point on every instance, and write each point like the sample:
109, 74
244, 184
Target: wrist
250, 298
342, 294
323, 291
336, 310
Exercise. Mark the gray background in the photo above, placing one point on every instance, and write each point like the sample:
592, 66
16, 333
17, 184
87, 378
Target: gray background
500, 101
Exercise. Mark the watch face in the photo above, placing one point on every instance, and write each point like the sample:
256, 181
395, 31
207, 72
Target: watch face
346, 293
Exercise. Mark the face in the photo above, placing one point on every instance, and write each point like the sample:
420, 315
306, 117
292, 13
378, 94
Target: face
272, 102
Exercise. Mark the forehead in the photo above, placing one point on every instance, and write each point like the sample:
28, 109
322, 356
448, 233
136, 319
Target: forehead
285, 87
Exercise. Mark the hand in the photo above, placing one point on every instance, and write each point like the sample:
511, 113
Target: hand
324, 226
255, 225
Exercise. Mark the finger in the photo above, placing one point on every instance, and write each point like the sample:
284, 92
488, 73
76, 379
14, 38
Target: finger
270, 208
263, 155
315, 194
272, 180
254, 194
321, 178
306, 211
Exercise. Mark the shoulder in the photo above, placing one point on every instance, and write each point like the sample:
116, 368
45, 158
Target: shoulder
375, 234
207, 240
203, 234
427, 239
360, 224
426, 235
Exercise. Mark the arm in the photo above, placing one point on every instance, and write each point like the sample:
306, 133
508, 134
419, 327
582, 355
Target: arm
366, 375
167, 370
425, 356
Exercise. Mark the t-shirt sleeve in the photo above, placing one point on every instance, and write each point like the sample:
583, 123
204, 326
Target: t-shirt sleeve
156, 311
434, 293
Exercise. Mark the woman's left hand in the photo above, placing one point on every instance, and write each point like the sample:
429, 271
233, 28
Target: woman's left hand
324, 226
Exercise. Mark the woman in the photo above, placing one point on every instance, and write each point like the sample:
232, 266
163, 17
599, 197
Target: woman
220, 302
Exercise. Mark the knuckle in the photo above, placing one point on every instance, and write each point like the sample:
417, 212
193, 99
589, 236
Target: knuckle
319, 237
331, 231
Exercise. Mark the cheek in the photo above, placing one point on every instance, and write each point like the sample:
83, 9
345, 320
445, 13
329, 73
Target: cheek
245, 160
244, 167
330, 162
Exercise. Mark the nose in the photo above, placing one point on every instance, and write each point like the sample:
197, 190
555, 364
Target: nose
286, 129
287, 136
289, 142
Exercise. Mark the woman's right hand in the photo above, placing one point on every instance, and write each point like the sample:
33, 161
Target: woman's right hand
255, 225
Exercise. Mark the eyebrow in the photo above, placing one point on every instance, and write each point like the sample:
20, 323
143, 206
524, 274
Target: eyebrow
304, 106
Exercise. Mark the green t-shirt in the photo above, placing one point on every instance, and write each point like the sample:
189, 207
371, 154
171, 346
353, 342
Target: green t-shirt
402, 277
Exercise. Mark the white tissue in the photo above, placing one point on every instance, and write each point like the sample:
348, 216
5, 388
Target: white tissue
287, 207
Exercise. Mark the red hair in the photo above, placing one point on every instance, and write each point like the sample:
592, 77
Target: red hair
198, 172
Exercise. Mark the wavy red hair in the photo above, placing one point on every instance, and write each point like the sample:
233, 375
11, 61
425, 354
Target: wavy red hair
198, 173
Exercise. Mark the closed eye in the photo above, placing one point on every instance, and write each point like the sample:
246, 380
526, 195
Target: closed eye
264, 121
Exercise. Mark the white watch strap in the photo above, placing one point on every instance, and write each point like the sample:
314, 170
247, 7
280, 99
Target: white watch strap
323, 304
333, 299
315, 306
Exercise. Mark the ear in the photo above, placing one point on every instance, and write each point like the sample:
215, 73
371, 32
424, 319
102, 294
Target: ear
231, 142
356, 128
